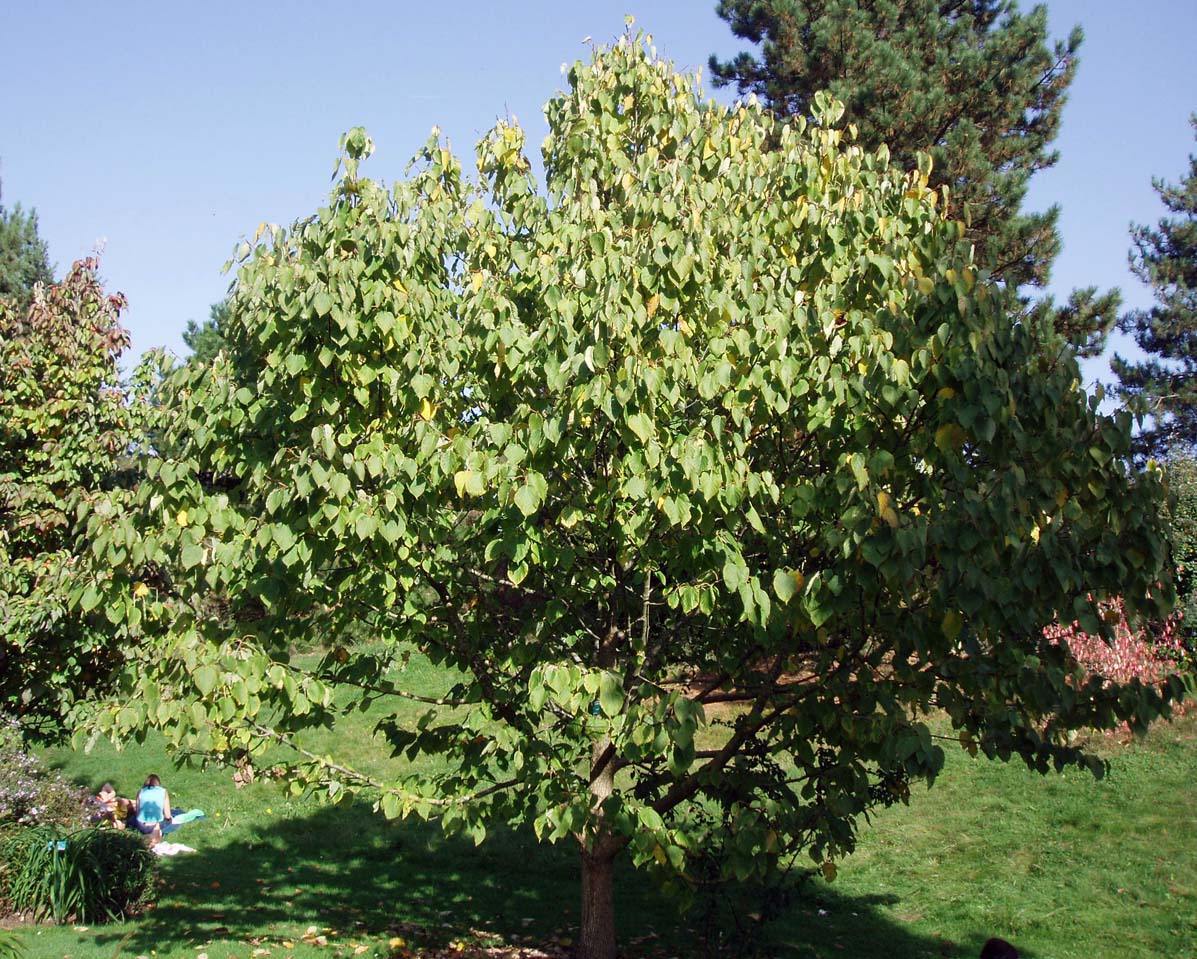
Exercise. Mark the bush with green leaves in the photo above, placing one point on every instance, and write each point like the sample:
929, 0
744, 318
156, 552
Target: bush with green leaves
89, 875
1182, 479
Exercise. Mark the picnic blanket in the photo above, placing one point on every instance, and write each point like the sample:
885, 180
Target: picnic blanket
169, 848
170, 825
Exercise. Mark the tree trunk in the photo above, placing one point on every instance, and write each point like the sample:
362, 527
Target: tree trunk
597, 938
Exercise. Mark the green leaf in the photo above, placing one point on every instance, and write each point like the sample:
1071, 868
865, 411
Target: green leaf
641, 425
784, 585
735, 573
610, 693
528, 499
206, 678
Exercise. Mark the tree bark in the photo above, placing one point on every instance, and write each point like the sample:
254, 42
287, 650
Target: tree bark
597, 938
599, 848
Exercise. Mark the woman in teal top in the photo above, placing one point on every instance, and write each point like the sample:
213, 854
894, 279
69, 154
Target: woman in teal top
153, 808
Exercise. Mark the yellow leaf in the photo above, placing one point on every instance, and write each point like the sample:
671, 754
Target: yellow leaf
140, 590
476, 281
1035, 533
396, 942
427, 410
446, 158
799, 579
952, 624
398, 285
659, 854
949, 437
886, 510
627, 102
829, 871
182, 519
1061, 496
628, 180
653, 303
461, 480
926, 285
946, 393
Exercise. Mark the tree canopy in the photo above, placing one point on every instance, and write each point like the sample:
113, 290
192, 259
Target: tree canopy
1165, 258
708, 471
207, 339
24, 259
977, 85
64, 428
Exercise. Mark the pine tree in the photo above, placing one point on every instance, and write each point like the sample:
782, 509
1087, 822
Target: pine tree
1165, 258
207, 339
24, 259
973, 82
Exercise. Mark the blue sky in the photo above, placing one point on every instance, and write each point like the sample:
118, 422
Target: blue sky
167, 131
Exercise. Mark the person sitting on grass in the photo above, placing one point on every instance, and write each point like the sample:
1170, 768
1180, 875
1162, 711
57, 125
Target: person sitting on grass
110, 808
153, 809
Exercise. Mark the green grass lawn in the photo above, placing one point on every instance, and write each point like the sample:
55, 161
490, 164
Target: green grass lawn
1063, 867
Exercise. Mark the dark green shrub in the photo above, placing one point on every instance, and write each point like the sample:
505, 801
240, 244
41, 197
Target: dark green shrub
91, 875
1182, 481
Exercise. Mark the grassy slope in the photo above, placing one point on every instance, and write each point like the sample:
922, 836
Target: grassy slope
1064, 867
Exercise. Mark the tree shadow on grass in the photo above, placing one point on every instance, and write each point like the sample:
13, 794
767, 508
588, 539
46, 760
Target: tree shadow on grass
358, 879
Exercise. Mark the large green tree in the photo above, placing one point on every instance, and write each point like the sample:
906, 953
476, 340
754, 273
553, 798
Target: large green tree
64, 433
24, 259
975, 83
1165, 258
704, 471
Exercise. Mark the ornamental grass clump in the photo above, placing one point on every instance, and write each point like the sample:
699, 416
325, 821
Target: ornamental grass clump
91, 875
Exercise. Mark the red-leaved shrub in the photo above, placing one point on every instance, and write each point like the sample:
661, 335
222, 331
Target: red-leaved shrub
1150, 653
